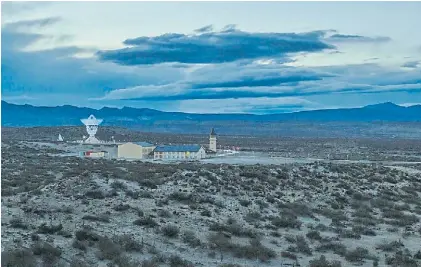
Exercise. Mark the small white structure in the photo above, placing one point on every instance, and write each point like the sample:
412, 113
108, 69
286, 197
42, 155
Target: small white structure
91, 124
137, 150
179, 152
60, 138
212, 141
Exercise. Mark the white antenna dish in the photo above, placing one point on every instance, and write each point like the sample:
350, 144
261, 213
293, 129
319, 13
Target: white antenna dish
91, 124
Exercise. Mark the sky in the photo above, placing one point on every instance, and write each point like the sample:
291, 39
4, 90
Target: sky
211, 57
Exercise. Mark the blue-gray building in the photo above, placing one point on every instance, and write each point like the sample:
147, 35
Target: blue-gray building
179, 152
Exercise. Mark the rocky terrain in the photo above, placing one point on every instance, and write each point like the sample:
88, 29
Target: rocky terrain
69, 211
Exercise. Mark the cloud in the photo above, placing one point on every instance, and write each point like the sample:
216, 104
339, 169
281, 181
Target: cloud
207, 28
263, 81
228, 45
11, 8
335, 38
411, 64
13, 26
50, 73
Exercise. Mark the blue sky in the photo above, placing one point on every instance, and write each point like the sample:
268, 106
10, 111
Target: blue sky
211, 57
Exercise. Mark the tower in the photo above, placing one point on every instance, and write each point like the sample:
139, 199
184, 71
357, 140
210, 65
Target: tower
91, 124
212, 140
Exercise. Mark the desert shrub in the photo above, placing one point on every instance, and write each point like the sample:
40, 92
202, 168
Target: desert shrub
350, 234
315, 235
389, 247
49, 253
146, 221
181, 197
108, 249
164, 213
117, 185
302, 245
405, 220
97, 218
18, 223
252, 216
206, 213
286, 222
322, 262
121, 207
18, 258
77, 263
233, 227
296, 209
49, 229
255, 250
244, 202
402, 258
190, 238
95, 194
86, 234
335, 247
357, 255
128, 243
177, 261
170, 230
79, 245
289, 255
363, 230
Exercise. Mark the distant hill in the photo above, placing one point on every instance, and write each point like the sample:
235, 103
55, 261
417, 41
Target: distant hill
178, 122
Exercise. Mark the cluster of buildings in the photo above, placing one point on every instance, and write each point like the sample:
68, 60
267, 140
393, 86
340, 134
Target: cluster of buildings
145, 150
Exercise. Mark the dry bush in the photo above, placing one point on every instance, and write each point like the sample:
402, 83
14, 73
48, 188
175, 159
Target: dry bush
402, 258
108, 249
146, 221
49, 253
322, 262
233, 227
18, 258
128, 243
49, 229
357, 255
286, 222
177, 261
190, 238
389, 247
170, 230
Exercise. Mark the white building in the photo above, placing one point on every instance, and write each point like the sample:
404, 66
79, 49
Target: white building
179, 152
212, 141
136, 150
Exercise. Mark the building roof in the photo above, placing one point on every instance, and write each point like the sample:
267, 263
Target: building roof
144, 144
178, 148
213, 132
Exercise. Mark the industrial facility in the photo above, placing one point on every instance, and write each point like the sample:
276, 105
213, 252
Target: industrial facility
144, 150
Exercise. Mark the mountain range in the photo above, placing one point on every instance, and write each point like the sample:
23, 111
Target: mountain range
154, 120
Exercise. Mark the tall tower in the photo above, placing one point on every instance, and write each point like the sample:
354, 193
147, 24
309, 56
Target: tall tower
212, 140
